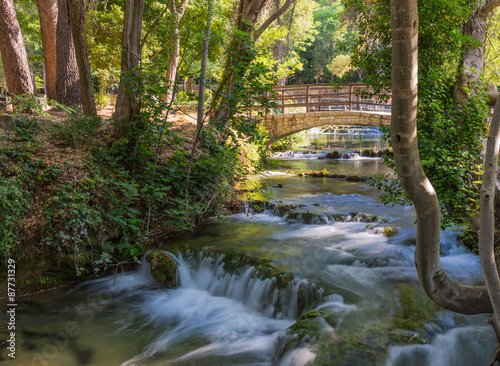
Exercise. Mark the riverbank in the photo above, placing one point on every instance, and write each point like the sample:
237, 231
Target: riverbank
75, 202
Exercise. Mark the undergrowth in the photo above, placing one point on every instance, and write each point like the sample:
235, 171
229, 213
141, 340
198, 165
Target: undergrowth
98, 203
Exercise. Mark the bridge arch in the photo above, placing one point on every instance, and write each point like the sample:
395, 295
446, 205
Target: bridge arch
281, 126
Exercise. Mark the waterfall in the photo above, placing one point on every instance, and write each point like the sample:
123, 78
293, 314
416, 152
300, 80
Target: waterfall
273, 297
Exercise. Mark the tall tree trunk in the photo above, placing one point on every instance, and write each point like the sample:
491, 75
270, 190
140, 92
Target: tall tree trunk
67, 76
238, 60
14, 59
278, 46
127, 105
437, 284
77, 18
487, 221
175, 41
472, 62
203, 71
47, 11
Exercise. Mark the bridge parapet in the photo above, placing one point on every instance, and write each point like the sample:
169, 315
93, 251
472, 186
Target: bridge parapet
280, 126
327, 97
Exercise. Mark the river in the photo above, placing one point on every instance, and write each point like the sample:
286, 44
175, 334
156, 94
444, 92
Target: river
321, 251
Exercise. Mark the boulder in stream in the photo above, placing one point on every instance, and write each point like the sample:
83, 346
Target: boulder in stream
163, 268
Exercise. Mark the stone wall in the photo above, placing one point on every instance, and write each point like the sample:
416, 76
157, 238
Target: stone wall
280, 126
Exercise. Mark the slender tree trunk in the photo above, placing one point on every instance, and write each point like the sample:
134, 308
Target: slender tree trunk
436, 283
77, 19
127, 105
278, 46
67, 76
15, 61
175, 41
487, 228
47, 11
204, 63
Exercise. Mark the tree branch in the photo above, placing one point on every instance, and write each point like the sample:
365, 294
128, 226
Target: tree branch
155, 24
272, 18
488, 7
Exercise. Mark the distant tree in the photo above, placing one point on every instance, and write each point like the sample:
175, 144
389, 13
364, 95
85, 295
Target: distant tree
15, 61
77, 19
177, 10
47, 11
127, 104
67, 78
240, 54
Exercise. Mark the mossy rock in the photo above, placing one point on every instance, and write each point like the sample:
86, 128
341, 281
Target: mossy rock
333, 155
387, 231
390, 231
163, 268
369, 153
355, 178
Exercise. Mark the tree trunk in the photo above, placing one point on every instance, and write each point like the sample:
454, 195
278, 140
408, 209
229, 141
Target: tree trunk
47, 11
67, 76
77, 18
239, 58
436, 283
15, 61
278, 46
203, 67
472, 63
487, 230
127, 105
175, 54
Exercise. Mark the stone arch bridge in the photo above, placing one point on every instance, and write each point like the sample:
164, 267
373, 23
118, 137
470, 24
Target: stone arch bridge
302, 107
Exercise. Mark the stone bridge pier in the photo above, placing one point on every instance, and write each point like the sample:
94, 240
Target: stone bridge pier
280, 126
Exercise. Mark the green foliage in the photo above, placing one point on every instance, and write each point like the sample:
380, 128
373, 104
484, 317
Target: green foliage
104, 29
288, 142
330, 41
15, 202
78, 130
450, 138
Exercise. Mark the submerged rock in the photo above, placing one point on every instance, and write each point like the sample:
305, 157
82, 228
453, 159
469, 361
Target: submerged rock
163, 268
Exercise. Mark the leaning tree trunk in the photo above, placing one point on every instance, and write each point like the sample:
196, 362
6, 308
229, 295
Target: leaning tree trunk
127, 105
47, 11
77, 18
238, 60
437, 284
14, 59
67, 76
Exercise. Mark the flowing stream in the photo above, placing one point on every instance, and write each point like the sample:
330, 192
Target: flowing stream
320, 255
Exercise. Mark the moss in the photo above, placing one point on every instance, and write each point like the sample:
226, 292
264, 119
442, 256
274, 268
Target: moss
333, 155
390, 231
163, 268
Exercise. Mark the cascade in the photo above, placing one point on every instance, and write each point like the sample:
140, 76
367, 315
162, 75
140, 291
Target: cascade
269, 296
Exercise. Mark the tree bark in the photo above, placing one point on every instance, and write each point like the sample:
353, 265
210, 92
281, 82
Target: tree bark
67, 76
239, 58
203, 71
472, 63
14, 58
175, 54
437, 284
47, 11
278, 46
127, 105
487, 221
77, 19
